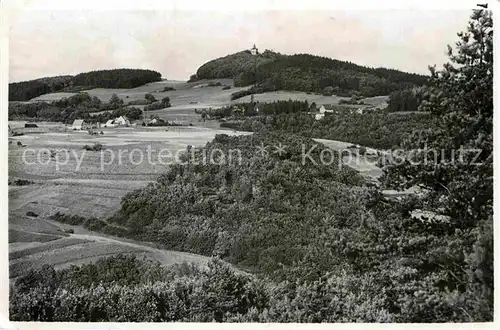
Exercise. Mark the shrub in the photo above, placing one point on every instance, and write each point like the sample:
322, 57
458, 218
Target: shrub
150, 98
139, 102
22, 182
95, 147
164, 103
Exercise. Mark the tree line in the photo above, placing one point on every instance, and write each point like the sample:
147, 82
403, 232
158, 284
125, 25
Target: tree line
308, 73
116, 78
249, 109
78, 106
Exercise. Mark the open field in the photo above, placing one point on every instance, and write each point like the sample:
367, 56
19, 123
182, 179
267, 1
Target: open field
82, 246
92, 183
26, 236
85, 183
57, 244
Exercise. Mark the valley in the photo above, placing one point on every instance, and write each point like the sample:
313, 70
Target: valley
268, 187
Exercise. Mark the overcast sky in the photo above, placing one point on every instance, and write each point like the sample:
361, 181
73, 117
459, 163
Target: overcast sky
176, 43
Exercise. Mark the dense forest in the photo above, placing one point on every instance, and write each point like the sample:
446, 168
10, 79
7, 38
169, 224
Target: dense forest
371, 129
407, 99
308, 73
117, 78
321, 244
253, 109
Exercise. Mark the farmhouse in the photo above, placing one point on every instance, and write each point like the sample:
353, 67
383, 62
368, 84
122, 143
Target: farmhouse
110, 123
122, 121
78, 124
322, 112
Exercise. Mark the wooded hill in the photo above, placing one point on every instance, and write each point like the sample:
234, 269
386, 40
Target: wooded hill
308, 73
116, 78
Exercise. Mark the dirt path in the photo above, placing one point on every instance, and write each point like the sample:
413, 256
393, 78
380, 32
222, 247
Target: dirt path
367, 166
166, 257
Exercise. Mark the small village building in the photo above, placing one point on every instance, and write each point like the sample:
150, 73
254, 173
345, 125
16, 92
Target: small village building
324, 110
110, 123
122, 121
319, 116
78, 124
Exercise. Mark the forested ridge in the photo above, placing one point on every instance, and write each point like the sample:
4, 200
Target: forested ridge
322, 244
308, 73
116, 78
78, 106
378, 130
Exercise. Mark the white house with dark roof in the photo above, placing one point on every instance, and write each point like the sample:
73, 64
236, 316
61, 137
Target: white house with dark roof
110, 123
322, 112
122, 121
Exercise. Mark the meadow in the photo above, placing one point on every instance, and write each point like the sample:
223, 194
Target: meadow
201, 94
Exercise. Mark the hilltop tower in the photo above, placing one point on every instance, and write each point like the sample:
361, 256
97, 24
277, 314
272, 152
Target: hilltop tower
254, 50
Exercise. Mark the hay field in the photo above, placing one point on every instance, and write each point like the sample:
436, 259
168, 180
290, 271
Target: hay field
85, 183
92, 183
28, 248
